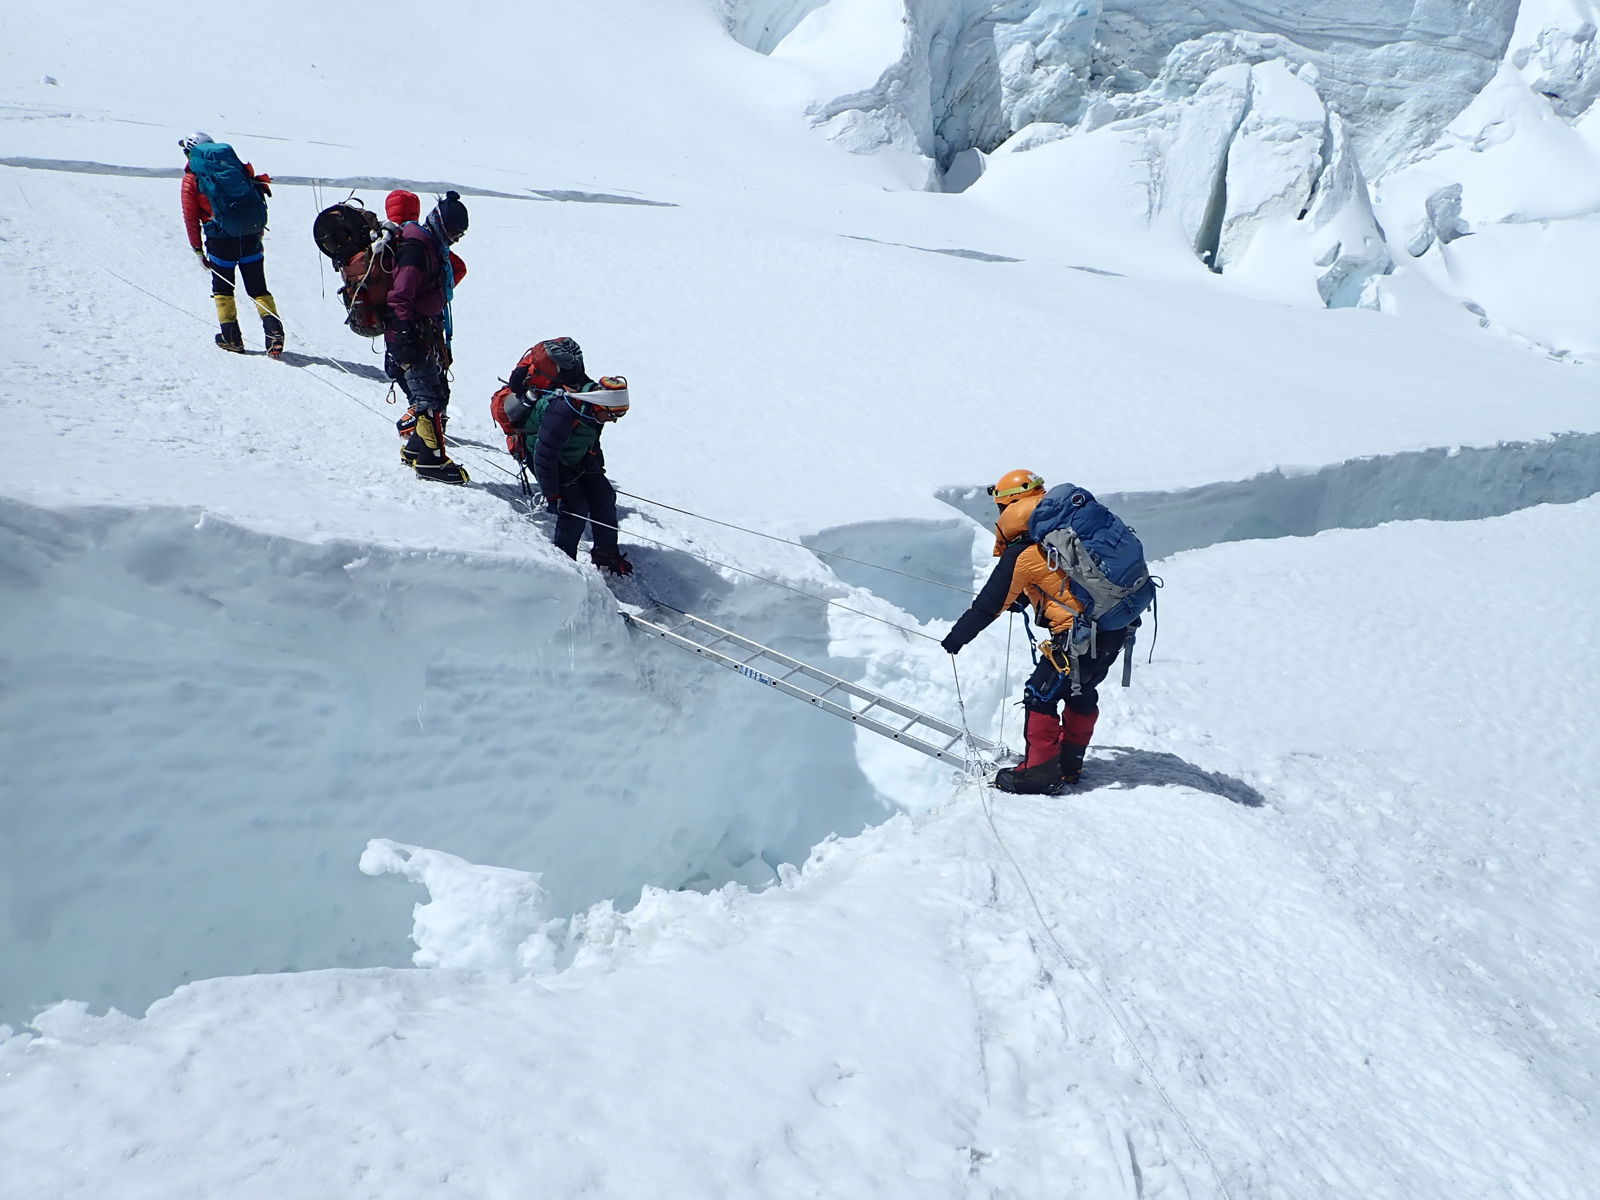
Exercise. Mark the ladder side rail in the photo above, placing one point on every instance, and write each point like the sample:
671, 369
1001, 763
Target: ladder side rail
894, 706
793, 665
806, 668
857, 716
943, 754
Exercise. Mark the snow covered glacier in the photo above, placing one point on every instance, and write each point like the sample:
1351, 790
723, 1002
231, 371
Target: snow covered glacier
1263, 133
970, 74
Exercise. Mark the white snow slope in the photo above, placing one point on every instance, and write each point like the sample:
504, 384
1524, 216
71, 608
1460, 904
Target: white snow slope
1318, 923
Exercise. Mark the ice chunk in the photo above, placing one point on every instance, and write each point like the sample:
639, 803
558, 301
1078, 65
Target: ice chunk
476, 916
1274, 159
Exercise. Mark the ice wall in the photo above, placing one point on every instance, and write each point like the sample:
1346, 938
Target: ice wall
219, 721
1260, 125
1311, 149
970, 73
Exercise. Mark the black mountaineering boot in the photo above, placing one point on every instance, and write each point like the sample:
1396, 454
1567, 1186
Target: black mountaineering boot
1044, 780
442, 472
1048, 778
271, 324
229, 338
611, 560
1071, 762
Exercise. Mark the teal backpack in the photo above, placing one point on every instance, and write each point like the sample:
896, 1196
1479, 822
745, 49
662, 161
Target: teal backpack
238, 208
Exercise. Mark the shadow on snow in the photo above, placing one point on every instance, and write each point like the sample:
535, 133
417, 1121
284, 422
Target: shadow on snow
1127, 767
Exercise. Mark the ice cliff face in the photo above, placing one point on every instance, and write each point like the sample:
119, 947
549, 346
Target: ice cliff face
972, 72
1254, 127
1255, 160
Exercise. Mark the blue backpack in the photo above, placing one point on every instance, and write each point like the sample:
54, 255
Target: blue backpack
237, 206
1098, 552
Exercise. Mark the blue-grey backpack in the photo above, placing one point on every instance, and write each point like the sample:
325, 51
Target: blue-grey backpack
238, 208
1100, 555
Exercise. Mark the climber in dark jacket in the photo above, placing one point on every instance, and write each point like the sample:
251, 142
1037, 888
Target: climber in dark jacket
570, 466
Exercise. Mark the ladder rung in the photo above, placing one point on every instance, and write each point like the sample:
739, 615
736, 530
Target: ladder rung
688, 635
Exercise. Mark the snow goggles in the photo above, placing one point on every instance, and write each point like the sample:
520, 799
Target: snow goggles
1032, 484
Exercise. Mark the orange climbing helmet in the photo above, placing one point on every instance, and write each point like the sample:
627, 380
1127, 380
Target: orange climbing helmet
609, 400
1014, 485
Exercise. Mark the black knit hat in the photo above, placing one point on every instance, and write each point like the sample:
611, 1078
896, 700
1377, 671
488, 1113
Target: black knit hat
451, 215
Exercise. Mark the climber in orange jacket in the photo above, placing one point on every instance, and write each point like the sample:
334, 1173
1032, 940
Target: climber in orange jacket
1054, 742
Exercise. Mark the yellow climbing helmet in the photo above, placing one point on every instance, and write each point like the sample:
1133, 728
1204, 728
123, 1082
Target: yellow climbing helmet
1014, 485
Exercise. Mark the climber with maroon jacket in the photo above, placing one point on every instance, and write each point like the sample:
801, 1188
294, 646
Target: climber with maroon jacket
417, 326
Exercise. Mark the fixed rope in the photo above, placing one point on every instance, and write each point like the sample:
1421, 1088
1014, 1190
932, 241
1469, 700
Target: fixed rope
530, 512
208, 322
975, 765
1011, 628
972, 755
706, 558
1105, 1001
801, 545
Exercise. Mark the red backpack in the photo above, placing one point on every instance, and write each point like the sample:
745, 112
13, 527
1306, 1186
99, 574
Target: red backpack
537, 370
359, 246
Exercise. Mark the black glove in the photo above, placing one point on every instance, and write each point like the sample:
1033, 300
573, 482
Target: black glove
552, 504
951, 644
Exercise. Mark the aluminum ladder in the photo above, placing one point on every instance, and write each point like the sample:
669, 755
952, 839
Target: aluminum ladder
900, 723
